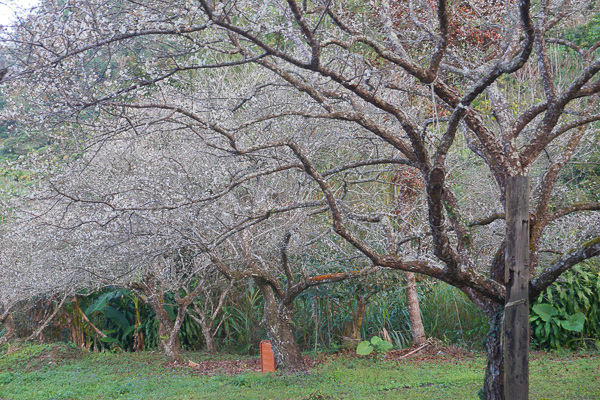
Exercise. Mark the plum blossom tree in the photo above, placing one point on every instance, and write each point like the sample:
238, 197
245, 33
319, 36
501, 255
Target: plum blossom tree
159, 213
422, 84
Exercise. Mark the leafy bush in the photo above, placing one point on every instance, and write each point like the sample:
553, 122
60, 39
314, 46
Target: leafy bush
567, 314
376, 343
555, 327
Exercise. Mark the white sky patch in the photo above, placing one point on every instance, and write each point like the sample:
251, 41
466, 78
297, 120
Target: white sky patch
10, 8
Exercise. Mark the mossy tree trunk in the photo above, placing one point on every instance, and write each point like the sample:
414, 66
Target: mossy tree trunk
493, 385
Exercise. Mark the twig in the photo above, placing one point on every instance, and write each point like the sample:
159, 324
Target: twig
414, 351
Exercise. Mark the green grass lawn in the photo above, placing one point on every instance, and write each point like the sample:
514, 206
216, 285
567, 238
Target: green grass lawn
62, 372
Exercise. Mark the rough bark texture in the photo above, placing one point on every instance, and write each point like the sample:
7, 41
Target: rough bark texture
414, 310
277, 321
166, 328
207, 326
493, 385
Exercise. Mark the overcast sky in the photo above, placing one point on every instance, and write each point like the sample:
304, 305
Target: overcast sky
9, 7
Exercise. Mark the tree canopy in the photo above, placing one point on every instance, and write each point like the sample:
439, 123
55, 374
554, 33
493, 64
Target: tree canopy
343, 107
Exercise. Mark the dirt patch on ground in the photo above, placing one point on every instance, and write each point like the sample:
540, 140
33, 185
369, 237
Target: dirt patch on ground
415, 354
234, 367
431, 353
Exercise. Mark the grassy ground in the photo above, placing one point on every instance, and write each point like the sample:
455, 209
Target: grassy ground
63, 372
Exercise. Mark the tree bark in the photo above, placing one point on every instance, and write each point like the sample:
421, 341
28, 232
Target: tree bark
207, 326
168, 340
207, 329
207, 332
414, 310
493, 385
277, 320
167, 329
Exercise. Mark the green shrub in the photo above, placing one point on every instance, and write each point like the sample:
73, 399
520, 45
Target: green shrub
567, 314
376, 343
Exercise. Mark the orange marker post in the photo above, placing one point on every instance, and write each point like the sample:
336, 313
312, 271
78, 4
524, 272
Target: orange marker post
267, 360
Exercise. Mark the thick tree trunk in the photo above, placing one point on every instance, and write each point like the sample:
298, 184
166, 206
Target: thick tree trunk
414, 310
493, 385
168, 341
210, 343
277, 320
168, 331
207, 326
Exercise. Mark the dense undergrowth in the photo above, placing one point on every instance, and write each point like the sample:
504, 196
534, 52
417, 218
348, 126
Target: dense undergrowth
321, 316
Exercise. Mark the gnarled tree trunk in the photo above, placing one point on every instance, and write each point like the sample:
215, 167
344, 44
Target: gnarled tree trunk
207, 326
493, 385
277, 320
207, 332
168, 332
